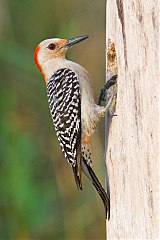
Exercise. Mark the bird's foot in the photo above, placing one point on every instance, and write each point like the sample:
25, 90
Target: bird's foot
103, 94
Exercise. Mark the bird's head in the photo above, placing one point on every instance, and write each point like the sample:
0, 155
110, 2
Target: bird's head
54, 48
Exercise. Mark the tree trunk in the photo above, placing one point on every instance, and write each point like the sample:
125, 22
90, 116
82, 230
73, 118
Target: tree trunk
132, 155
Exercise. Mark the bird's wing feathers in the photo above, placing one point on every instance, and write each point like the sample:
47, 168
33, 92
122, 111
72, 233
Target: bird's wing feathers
65, 107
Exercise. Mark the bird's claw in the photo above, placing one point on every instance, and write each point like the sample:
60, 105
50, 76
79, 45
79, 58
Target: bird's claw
112, 80
102, 96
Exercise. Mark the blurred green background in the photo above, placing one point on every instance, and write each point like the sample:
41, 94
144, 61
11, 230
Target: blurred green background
38, 195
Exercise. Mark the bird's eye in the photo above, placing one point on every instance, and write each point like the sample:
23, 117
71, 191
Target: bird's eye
52, 46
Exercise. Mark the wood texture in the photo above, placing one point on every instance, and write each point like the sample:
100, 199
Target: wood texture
133, 145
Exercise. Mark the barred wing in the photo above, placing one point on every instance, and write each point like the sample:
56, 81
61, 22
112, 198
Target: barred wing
65, 106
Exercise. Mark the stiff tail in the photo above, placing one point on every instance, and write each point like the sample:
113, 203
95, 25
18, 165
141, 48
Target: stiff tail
88, 171
77, 177
77, 169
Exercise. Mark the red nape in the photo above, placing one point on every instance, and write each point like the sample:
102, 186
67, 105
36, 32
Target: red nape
36, 57
37, 62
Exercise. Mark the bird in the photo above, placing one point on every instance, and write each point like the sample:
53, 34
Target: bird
73, 110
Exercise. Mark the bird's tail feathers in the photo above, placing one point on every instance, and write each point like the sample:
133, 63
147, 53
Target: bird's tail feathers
88, 171
77, 176
77, 169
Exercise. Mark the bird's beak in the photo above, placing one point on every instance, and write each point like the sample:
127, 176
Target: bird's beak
72, 41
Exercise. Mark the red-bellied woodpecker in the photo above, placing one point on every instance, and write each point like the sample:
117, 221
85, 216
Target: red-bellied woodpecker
75, 114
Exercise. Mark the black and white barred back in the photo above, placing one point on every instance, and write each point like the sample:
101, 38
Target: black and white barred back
65, 106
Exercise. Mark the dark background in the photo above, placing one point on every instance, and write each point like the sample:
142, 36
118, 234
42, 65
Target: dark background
38, 196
